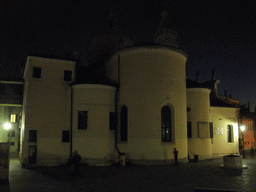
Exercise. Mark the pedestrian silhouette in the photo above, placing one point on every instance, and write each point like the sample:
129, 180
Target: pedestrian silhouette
252, 153
74, 163
175, 156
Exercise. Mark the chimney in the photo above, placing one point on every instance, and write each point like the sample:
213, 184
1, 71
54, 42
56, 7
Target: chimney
226, 93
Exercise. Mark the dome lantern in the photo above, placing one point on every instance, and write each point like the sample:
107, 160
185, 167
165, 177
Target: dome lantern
164, 35
104, 45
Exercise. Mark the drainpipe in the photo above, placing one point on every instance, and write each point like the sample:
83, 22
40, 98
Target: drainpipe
71, 110
71, 121
239, 121
116, 102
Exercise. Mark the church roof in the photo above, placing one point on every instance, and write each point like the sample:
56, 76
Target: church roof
215, 100
106, 44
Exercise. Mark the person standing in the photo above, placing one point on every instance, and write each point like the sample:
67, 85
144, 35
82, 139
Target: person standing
176, 156
74, 163
252, 153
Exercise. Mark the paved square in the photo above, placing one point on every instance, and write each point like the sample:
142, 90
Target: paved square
185, 177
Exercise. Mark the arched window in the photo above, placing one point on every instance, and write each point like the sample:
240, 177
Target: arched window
230, 133
166, 124
124, 123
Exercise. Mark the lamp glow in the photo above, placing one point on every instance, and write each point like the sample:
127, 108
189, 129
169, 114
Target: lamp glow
7, 126
242, 128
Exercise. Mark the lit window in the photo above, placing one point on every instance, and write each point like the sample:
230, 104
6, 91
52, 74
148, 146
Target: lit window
13, 118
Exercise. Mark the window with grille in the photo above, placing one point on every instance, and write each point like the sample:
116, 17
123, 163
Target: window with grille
211, 129
112, 121
67, 75
11, 133
32, 136
82, 119
203, 129
37, 72
230, 133
65, 136
166, 124
189, 129
124, 123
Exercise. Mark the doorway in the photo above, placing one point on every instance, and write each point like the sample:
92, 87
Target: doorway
32, 154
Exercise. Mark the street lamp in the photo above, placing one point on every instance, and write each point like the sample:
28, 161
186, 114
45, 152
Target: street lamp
7, 126
242, 128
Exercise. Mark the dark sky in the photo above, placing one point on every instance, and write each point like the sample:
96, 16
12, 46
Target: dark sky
214, 34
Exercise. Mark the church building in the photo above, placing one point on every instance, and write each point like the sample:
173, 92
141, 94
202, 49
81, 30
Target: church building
132, 99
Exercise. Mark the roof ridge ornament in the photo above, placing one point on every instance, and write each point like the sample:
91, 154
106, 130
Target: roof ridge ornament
164, 35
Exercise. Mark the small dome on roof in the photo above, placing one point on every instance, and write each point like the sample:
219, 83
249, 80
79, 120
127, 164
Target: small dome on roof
164, 35
106, 44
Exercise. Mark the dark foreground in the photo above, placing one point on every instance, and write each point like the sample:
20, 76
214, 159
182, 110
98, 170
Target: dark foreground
185, 177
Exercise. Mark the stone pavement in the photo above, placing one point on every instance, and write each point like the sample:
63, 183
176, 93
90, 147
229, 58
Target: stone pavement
182, 178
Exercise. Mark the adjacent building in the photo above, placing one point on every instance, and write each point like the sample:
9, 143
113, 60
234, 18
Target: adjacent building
247, 119
11, 97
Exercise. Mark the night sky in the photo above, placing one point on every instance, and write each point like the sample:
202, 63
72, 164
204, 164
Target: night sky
214, 34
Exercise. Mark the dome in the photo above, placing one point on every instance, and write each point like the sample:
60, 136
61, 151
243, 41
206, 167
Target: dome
106, 44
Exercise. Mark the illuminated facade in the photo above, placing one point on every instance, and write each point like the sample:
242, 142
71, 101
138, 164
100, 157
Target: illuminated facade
131, 99
11, 92
249, 139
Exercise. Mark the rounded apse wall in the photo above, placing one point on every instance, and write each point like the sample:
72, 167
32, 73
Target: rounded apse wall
150, 78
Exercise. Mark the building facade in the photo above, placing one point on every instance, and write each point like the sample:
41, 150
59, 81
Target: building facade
11, 94
131, 99
247, 119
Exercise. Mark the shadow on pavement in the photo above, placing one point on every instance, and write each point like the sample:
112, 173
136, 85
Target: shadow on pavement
231, 172
55, 172
5, 186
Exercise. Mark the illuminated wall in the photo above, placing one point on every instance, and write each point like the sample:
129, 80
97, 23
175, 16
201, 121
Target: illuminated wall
151, 77
223, 118
249, 139
198, 103
46, 108
12, 134
92, 137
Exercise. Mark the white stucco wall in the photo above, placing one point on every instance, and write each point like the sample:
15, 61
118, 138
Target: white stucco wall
151, 77
221, 117
198, 102
46, 108
97, 141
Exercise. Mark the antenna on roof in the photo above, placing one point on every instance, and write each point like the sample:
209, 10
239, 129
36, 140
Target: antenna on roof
197, 74
213, 74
